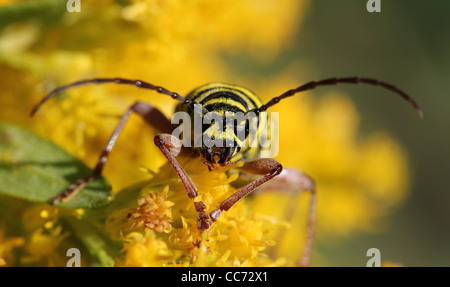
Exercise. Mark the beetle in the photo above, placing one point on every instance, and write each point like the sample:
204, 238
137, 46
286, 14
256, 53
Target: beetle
222, 99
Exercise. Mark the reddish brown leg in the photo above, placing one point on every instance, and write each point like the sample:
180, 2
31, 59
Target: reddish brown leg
269, 167
149, 113
290, 181
171, 146
294, 181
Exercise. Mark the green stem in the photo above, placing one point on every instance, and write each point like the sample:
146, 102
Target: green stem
95, 243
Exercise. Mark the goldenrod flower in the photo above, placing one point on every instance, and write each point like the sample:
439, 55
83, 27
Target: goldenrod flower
179, 44
238, 238
45, 244
153, 212
42, 246
145, 250
7, 244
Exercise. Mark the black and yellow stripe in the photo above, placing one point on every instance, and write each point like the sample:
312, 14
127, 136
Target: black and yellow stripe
226, 99
227, 94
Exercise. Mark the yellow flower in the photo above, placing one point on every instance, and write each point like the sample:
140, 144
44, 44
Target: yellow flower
238, 238
153, 212
38, 216
42, 246
180, 45
7, 244
145, 251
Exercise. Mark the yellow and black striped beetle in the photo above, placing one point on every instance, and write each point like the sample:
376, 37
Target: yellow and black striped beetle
222, 99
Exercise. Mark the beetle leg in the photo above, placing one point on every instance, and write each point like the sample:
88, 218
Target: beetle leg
171, 146
289, 180
293, 181
269, 167
149, 113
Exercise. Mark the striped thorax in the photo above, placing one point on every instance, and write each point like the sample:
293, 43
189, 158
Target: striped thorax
229, 127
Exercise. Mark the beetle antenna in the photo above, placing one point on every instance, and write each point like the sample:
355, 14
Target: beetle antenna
118, 81
334, 81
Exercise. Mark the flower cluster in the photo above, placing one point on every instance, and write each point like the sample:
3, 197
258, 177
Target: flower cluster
181, 45
153, 212
238, 238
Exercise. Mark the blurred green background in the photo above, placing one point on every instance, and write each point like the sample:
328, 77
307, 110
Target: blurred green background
408, 44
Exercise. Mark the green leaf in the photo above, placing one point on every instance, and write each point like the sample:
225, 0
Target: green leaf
35, 169
43, 10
